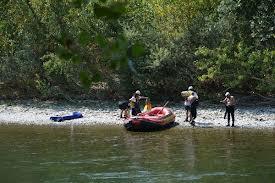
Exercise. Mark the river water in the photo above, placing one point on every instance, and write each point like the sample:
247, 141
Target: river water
111, 154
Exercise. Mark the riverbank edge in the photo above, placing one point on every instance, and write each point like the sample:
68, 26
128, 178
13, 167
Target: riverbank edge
30, 112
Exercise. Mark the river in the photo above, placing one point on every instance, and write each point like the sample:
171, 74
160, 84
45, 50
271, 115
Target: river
60, 154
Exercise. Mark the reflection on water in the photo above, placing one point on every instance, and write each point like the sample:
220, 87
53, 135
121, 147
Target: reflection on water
111, 154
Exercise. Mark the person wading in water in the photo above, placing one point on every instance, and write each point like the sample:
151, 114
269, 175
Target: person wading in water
230, 103
134, 103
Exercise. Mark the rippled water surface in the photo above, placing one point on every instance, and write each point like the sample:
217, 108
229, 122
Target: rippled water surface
111, 154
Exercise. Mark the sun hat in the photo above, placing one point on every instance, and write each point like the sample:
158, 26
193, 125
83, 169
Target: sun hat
190, 88
137, 92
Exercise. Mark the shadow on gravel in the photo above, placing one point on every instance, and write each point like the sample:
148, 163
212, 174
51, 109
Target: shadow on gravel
171, 125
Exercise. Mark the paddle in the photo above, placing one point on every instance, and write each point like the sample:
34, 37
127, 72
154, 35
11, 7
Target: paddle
163, 107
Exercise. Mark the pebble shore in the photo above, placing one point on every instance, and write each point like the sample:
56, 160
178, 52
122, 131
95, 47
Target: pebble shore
107, 113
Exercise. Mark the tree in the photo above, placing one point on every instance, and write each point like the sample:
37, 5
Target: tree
241, 61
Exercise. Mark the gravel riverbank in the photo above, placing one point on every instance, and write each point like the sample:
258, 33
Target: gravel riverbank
98, 112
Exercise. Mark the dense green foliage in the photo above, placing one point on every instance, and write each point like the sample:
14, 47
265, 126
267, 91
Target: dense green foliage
109, 48
243, 57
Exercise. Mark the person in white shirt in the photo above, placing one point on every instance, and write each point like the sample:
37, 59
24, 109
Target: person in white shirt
134, 103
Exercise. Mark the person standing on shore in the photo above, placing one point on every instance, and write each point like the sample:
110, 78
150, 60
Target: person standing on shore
187, 106
124, 107
134, 103
190, 103
194, 100
230, 103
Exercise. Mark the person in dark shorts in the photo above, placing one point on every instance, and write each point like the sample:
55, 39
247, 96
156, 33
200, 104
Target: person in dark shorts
124, 106
194, 100
193, 108
230, 103
135, 103
194, 105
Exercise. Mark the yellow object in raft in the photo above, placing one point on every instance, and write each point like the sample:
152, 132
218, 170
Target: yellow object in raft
147, 107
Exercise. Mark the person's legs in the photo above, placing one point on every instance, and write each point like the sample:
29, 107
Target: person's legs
230, 112
138, 111
194, 112
126, 113
186, 115
233, 116
192, 116
233, 120
228, 119
192, 122
124, 107
225, 115
228, 115
134, 113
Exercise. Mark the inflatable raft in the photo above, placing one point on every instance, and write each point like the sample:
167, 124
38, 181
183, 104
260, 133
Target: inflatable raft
158, 118
75, 115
